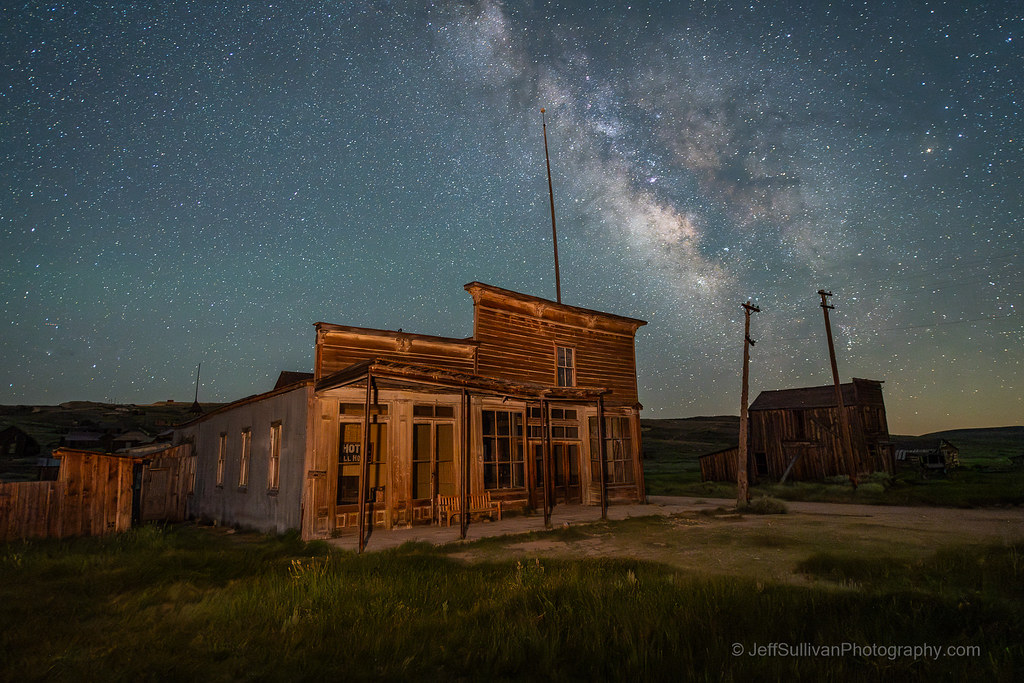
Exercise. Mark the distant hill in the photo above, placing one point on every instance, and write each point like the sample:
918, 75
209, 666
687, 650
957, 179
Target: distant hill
688, 437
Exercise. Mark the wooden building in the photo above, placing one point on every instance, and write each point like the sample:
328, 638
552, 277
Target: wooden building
16, 443
927, 455
99, 493
796, 434
539, 388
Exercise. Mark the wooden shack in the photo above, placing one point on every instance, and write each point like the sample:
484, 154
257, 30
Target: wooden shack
92, 496
539, 387
99, 493
927, 455
796, 434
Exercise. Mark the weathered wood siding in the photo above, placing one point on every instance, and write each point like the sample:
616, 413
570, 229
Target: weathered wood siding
721, 466
31, 509
92, 496
338, 347
166, 479
813, 437
518, 347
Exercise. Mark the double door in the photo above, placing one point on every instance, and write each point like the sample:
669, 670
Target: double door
565, 470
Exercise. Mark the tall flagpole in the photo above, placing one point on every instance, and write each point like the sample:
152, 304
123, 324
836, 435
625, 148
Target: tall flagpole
551, 196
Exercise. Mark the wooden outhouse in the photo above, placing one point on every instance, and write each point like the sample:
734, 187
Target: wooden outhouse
540, 392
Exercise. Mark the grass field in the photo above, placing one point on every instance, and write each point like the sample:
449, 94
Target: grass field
986, 477
189, 603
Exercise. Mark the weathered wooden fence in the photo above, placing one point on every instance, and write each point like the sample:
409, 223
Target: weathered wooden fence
31, 509
92, 496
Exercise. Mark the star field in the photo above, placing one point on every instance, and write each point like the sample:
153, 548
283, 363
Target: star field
195, 182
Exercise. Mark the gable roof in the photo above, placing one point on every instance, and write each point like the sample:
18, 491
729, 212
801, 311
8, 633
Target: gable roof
857, 392
288, 377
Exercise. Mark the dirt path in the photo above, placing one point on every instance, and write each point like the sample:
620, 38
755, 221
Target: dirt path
704, 536
689, 534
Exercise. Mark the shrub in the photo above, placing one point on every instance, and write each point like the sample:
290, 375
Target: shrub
765, 505
871, 489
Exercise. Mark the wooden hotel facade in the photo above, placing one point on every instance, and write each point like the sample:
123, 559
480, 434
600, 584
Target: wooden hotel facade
542, 392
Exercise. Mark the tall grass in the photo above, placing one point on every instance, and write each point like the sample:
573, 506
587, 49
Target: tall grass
186, 604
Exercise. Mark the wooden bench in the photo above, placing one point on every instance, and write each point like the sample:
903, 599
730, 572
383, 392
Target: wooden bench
451, 506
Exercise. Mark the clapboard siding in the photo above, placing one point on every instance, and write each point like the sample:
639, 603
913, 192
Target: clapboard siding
337, 349
517, 347
166, 482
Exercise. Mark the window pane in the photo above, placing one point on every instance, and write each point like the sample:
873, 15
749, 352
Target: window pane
445, 453
421, 480
420, 442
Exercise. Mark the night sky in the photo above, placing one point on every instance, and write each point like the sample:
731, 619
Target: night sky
189, 182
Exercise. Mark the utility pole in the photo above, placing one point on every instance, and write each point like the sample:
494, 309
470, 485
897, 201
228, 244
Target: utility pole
844, 423
551, 196
742, 477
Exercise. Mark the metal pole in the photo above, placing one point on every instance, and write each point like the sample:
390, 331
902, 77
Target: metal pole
844, 424
364, 469
551, 196
742, 476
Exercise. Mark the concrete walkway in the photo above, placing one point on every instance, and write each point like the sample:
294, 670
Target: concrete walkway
561, 516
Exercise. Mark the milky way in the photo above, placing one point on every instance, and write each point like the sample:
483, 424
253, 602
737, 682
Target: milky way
200, 182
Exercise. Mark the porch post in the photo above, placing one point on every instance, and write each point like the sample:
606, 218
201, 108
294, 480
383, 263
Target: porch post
464, 479
604, 458
547, 462
364, 468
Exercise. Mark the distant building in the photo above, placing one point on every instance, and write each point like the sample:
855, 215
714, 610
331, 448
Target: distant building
16, 443
540, 387
796, 433
131, 439
87, 440
927, 455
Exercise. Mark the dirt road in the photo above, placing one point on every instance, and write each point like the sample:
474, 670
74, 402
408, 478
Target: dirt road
705, 536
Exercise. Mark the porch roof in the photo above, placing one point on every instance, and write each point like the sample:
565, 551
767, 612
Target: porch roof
452, 379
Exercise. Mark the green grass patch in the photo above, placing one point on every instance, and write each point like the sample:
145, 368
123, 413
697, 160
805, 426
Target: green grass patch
188, 603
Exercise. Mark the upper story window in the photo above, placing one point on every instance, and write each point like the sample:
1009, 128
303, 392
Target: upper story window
565, 363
